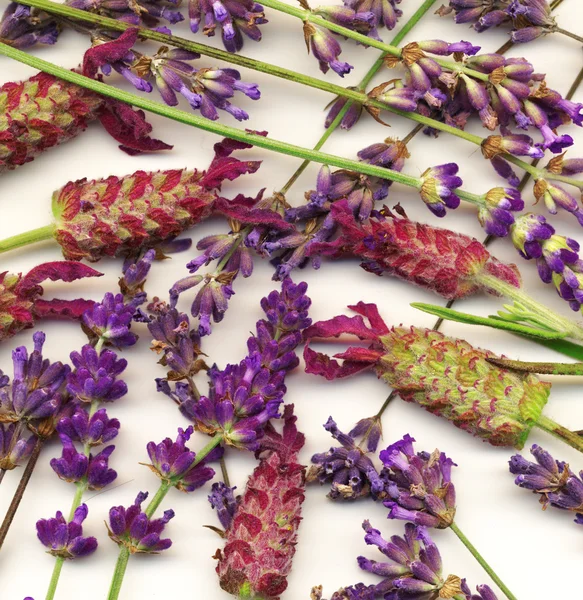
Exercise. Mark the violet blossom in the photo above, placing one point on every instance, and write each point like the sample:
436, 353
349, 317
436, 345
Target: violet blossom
94, 430
222, 499
15, 446
109, 321
22, 27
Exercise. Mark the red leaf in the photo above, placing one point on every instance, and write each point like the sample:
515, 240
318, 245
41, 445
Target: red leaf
63, 270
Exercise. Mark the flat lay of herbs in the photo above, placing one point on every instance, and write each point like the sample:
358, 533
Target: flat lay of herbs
255, 319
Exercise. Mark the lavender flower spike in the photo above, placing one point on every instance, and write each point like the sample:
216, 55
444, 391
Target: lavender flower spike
326, 49
484, 592
132, 528
15, 448
173, 462
110, 321
65, 540
22, 27
95, 376
496, 213
419, 485
96, 430
36, 386
222, 499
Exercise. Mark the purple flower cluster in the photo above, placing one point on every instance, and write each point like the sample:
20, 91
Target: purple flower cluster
175, 464
438, 185
557, 257
94, 430
205, 89
552, 479
222, 499
35, 396
65, 540
496, 214
347, 467
132, 528
133, 279
244, 397
529, 18
109, 322
23, 27
235, 18
136, 12
419, 485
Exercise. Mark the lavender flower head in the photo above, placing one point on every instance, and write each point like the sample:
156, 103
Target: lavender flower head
326, 49
134, 274
222, 499
235, 18
419, 485
175, 464
136, 12
484, 592
347, 468
75, 467
65, 540
110, 321
496, 214
414, 570
133, 529
385, 12
22, 27
95, 377
94, 430
438, 185
15, 447
35, 391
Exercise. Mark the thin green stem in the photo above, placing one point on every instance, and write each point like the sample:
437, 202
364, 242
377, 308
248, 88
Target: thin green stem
55, 578
474, 552
118, 575
158, 498
225, 472
569, 437
29, 237
566, 33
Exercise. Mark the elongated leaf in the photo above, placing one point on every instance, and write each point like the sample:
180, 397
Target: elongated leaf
497, 323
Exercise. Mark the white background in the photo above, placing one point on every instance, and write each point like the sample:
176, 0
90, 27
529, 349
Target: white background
537, 554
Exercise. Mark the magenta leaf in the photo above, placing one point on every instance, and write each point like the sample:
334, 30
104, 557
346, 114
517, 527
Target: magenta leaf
338, 325
105, 54
63, 270
62, 309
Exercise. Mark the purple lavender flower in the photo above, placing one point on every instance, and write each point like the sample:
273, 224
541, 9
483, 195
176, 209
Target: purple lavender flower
110, 321
385, 12
347, 468
35, 391
326, 49
555, 196
484, 592
556, 256
287, 311
132, 528
361, 22
222, 499
553, 480
75, 467
438, 188
351, 116
135, 12
496, 213
134, 273
15, 447
235, 17
415, 570
22, 27
95, 376
419, 485
173, 462
515, 144
96, 430
65, 540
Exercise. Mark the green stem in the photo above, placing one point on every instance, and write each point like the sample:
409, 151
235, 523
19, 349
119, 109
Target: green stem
55, 578
541, 313
118, 574
29, 237
473, 550
564, 434
570, 34
546, 368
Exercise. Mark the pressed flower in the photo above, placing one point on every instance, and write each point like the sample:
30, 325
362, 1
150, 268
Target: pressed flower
21, 305
133, 529
260, 543
348, 469
65, 539
35, 392
109, 321
95, 376
419, 485
446, 262
495, 404
173, 462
